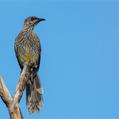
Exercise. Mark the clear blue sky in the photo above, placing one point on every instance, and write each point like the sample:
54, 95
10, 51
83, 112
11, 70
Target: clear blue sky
80, 56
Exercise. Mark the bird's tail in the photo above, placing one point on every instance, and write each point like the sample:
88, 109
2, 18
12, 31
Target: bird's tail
34, 94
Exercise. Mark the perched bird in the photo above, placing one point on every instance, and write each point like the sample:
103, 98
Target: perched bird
28, 50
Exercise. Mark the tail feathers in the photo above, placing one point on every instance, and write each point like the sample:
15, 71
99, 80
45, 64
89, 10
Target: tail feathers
34, 95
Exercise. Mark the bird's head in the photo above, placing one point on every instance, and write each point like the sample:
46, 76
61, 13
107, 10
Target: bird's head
32, 21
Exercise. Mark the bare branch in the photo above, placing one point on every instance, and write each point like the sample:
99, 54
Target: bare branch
22, 83
4, 93
12, 103
15, 111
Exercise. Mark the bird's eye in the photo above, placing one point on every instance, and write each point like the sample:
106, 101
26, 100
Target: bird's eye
32, 18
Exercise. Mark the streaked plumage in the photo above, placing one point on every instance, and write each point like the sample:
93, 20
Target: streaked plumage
28, 50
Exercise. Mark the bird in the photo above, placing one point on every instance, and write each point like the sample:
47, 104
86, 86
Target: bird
28, 50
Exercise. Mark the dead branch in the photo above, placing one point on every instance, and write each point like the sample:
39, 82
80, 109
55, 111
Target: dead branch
12, 102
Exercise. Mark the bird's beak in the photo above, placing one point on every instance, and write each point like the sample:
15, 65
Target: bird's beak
41, 19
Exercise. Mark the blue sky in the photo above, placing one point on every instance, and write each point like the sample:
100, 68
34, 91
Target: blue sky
80, 56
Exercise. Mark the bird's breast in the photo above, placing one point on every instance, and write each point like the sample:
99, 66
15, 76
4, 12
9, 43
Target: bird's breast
28, 50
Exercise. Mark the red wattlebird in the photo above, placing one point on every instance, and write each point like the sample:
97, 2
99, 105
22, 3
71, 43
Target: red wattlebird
28, 50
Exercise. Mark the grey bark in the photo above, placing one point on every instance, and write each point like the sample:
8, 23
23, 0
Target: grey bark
12, 102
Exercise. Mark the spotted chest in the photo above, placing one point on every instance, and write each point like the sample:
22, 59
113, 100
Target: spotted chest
28, 48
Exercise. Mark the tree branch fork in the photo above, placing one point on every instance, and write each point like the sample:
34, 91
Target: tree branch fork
12, 102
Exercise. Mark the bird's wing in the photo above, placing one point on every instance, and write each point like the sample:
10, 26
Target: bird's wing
18, 41
38, 47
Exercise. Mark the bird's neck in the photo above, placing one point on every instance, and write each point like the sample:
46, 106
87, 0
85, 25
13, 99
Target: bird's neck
27, 31
27, 28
